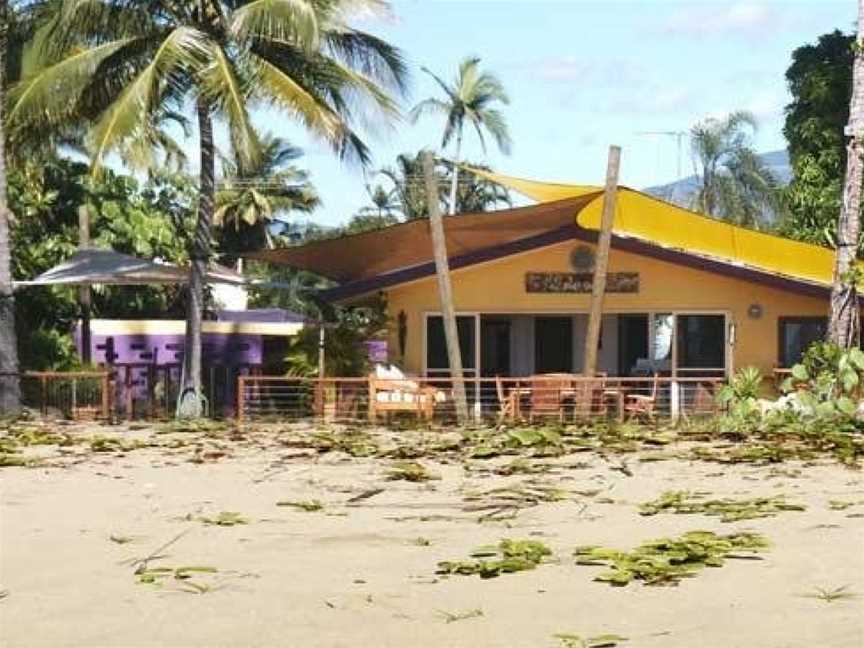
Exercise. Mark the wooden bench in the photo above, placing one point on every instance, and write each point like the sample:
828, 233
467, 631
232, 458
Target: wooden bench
387, 395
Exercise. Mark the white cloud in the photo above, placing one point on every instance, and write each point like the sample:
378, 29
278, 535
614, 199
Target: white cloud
597, 72
745, 20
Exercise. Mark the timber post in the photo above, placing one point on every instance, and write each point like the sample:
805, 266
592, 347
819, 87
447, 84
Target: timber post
601, 262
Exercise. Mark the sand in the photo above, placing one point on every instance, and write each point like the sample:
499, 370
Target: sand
364, 575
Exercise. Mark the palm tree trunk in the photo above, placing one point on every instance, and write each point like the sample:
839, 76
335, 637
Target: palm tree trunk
454, 184
199, 261
844, 324
10, 390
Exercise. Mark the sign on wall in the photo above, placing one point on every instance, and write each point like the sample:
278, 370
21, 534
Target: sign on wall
579, 282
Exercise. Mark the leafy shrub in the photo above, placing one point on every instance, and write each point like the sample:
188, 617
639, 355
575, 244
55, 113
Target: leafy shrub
828, 379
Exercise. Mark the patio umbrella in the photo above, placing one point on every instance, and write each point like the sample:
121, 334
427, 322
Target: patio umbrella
94, 266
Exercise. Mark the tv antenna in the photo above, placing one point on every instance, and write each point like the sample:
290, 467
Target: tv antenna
679, 136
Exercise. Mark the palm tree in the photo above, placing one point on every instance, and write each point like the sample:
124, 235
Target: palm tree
10, 394
733, 181
844, 324
383, 202
468, 98
406, 176
265, 191
119, 63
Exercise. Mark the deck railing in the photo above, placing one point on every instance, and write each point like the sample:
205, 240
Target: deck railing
77, 395
571, 398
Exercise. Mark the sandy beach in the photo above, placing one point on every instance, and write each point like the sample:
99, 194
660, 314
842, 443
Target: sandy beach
363, 573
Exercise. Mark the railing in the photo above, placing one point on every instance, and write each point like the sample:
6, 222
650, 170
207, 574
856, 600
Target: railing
551, 397
76, 395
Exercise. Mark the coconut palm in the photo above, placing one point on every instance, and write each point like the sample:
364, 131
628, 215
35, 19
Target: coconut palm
733, 181
10, 395
118, 63
406, 176
469, 98
256, 195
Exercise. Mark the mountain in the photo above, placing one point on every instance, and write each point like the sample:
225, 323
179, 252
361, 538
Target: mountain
682, 191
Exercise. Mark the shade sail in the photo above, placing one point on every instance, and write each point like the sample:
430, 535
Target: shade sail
95, 266
369, 254
663, 224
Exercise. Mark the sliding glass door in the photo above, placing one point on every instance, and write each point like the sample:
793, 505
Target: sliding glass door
437, 363
701, 344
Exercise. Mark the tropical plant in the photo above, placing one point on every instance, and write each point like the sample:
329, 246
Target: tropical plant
740, 394
474, 193
406, 176
153, 220
118, 64
469, 98
252, 197
829, 379
844, 321
383, 202
820, 82
10, 394
733, 182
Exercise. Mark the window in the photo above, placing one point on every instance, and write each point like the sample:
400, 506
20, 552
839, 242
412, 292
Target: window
798, 333
701, 341
436, 346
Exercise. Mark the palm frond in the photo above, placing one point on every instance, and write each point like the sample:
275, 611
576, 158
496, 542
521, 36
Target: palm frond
225, 91
291, 21
50, 94
428, 106
182, 51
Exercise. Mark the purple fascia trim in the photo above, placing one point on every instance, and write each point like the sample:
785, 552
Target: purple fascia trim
574, 232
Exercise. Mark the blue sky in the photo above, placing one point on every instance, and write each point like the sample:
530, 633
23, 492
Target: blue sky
583, 75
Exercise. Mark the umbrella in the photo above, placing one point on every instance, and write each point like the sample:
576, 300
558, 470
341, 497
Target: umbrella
95, 266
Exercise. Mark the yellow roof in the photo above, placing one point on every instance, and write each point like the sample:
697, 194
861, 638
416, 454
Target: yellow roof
658, 222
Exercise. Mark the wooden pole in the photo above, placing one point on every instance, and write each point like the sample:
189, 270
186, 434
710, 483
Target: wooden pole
84, 291
601, 262
445, 289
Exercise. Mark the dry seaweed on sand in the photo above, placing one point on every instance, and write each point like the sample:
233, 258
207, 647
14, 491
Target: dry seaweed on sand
412, 471
569, 640
506, 501
181, 577
308, 506
506, 557
225, 519
667, 561
452, 617
831, 595
727, 509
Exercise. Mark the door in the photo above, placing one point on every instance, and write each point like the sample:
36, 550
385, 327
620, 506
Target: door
700, 345
553, 345
495, 347
632, 342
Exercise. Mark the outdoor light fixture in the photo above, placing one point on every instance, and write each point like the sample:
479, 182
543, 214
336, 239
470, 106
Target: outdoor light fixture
582, 259
754, 311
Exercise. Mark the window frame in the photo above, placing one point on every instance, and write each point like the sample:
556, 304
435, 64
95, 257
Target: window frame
782, 321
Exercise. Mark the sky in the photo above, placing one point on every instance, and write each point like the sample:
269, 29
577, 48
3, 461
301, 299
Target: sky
584, 75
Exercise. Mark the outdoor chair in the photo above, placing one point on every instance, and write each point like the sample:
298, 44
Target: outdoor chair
589, 395
639, 405
548, 395
508, 402
390, 391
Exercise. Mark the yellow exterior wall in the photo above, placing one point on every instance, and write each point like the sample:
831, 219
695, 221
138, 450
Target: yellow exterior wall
499, 286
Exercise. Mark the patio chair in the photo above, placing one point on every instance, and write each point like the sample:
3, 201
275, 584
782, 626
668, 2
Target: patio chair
589, 395
508, 402
547, 395
390, 391
638, 405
